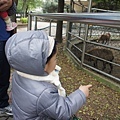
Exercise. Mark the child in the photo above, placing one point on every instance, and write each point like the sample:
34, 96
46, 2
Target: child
9, 24
37, 93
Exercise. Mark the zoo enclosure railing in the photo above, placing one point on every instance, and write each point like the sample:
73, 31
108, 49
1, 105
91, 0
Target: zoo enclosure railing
109, 20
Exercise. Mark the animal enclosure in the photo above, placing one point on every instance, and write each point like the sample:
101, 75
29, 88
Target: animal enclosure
100, 52
85, 29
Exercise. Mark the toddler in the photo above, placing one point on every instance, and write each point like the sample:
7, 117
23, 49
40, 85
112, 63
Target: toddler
37, 93
9, 24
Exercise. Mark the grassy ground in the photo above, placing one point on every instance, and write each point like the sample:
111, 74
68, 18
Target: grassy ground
104, 100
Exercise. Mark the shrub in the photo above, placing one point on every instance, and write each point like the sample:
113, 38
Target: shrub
23, 19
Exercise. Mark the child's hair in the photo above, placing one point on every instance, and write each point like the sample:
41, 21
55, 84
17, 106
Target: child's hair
53, 52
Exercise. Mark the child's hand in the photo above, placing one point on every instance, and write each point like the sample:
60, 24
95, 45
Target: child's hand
85, 89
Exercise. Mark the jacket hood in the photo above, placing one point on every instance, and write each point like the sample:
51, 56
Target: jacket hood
27, 52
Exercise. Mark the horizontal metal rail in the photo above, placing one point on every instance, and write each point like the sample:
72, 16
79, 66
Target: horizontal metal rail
108, 19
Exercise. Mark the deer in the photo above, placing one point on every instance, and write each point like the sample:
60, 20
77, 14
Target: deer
105, 38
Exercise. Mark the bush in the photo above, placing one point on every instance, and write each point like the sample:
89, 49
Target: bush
24, 20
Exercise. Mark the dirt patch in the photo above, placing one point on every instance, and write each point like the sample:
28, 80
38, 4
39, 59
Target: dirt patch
103, 102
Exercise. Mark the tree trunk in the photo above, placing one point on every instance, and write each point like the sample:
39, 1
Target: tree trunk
16, 1
59, 23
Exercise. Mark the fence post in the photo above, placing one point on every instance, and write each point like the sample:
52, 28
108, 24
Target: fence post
29, 21
50, 27
86, 35
35, 22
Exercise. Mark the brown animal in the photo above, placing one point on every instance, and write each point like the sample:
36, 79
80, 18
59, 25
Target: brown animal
101, 53
105, 38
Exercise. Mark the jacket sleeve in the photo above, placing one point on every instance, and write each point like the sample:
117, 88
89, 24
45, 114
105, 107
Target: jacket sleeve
58, 107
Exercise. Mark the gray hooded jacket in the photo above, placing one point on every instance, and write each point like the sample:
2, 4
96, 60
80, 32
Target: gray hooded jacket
27, 52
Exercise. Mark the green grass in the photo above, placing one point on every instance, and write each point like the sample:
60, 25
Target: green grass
105, 81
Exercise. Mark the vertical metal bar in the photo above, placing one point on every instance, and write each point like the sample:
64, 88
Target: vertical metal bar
86, 34
50, 27
89, 10
69, 26
35, 22
79, 29
68, 36
89, 6
80, 26
29, 27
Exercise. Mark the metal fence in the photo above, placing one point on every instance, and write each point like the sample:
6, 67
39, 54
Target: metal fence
82, 34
